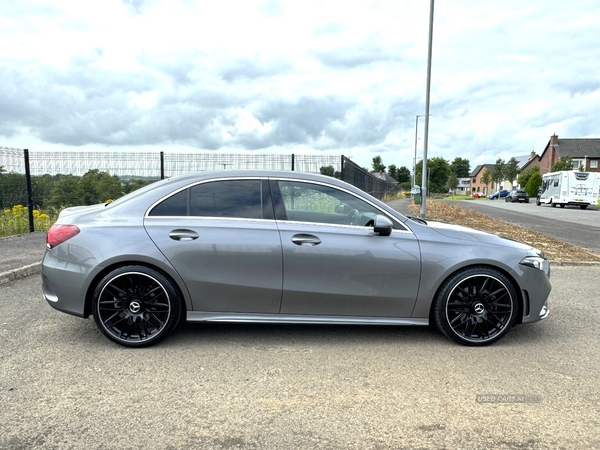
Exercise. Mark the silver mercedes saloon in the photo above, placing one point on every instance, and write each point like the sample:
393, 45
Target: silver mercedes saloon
282, 247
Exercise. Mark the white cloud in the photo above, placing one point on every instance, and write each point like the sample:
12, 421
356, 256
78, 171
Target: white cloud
335, 77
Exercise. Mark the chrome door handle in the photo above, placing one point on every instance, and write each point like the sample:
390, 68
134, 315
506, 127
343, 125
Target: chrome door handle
183, 235
305, 239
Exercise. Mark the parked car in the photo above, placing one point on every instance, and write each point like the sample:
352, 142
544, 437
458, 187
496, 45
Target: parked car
499, 194
517, 195
478, 195
282, 247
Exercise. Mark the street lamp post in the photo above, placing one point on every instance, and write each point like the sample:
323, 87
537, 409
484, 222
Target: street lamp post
415, 158
427, 99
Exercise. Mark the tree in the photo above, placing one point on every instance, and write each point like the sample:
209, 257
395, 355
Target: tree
327, 170
13, 190
486, 178
498, 173
392, 171
461, 167
453, 182
401, 175
133, 185
66, 192
533, 184
565, 163
98, 187
438, 169
511, 170
378, 165
526, 174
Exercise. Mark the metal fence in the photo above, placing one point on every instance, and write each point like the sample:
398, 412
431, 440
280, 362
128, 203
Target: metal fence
157, 165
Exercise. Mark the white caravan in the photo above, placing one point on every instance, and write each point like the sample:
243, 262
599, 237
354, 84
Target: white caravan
569, 187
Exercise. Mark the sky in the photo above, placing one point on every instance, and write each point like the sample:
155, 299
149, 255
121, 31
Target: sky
289, 76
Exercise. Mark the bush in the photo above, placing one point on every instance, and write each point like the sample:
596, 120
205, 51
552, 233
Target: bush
533, 184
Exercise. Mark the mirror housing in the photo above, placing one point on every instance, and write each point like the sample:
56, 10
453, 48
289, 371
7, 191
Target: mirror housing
382, 225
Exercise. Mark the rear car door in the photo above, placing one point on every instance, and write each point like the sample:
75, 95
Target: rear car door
222, 239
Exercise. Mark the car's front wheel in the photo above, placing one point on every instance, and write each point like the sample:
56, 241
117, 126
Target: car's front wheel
136, 306
476, 306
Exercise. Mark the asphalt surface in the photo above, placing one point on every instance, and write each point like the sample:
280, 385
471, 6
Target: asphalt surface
573, 225
63, 385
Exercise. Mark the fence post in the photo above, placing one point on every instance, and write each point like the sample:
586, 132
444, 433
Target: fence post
293, 158
342, 169
29, 193
162, 165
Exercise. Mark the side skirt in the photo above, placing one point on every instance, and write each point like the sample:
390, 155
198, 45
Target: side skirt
194, 316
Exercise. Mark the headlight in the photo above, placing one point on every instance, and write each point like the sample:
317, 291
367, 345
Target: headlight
537, 262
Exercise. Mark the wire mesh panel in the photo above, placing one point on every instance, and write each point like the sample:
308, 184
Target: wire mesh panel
130, 164
180, 163
148, 164
12, 160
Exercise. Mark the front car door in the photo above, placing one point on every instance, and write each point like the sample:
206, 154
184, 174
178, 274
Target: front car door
334, 263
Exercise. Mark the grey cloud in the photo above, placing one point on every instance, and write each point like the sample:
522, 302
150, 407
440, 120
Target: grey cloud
367, 52
252, 68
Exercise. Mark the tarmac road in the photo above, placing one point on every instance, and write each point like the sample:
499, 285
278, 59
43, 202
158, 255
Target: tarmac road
575, 226
63, 385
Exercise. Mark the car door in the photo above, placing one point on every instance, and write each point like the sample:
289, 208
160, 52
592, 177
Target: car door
334, 263
222, 239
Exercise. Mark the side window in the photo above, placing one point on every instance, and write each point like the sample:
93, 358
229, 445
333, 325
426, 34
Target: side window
307, 202
228, 198
232, 198
175, 205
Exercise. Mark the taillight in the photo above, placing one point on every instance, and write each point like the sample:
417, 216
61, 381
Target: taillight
57, 234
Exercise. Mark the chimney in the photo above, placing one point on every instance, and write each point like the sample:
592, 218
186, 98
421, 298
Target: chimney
531, 155
554, 139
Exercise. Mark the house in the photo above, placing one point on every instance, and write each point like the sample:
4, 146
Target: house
522, 162
585, 152
464, 185
477, 184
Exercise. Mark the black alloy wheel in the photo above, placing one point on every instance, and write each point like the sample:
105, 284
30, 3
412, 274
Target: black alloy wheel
136, 306
476, 306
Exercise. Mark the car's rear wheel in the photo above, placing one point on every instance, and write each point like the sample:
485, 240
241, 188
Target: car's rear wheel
136, 306
476, 306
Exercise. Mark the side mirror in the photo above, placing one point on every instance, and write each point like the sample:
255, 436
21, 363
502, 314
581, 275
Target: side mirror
382, 225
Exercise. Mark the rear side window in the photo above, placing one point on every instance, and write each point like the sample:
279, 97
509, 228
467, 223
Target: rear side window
242, 199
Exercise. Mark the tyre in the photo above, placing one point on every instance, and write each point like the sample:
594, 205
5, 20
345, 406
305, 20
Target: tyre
537, 201
562, 205
476, 306
136, 306
583, 206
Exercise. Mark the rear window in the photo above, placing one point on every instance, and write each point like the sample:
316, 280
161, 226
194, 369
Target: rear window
227, 198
